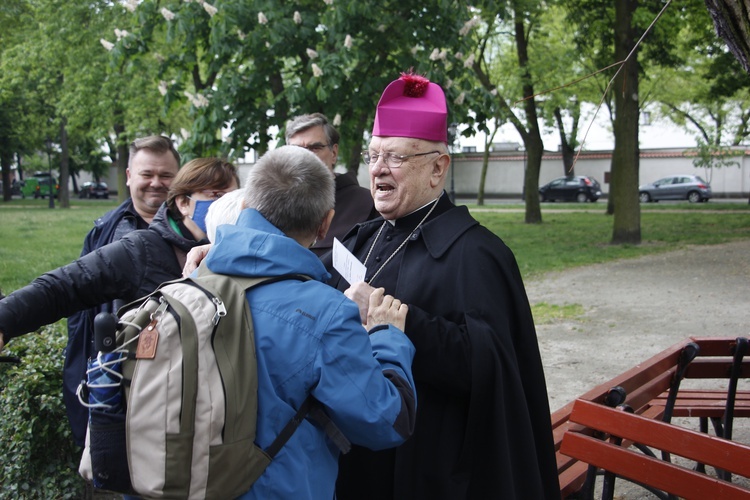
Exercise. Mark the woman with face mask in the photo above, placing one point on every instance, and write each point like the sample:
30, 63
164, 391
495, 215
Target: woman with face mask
124, 270
197, 185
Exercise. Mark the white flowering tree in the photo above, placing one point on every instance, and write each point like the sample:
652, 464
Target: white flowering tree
58, 74
247, 67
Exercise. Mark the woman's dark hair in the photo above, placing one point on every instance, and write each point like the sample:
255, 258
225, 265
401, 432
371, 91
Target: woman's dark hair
201, 174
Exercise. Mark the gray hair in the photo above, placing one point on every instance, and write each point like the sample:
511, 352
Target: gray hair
292, 189
304, 122
225, 210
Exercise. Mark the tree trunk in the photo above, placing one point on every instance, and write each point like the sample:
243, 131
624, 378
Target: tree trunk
625, 157
485, 163
732, 22
532, 137
64, 197
566, 147
5, 161
483, 174
122, 159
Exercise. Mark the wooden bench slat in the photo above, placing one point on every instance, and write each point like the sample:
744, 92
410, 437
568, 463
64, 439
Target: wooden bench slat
690, 444
648, 470
572, 478
711, 368
715, 346
705, 394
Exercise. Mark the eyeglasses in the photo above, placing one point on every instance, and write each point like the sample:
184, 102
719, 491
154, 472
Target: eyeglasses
392, 160
315, 147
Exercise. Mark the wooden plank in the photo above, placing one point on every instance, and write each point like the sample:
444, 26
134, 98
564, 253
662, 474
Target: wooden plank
648, 470
715, 346
707, 394
715, 368
693, 445
572, 478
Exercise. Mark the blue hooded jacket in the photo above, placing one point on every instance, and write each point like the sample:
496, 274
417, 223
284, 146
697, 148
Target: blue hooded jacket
310, 340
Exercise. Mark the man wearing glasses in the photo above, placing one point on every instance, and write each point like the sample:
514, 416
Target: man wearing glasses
353, 202
483, 421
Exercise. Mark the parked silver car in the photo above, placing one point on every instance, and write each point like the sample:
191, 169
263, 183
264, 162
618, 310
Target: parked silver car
676, 187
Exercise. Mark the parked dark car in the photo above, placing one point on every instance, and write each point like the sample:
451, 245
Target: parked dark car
94, 190
676, 187
580, 188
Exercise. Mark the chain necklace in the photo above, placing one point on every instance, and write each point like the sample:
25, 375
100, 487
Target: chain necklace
403, 243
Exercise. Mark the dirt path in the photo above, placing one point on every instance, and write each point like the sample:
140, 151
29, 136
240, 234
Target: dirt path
635, 308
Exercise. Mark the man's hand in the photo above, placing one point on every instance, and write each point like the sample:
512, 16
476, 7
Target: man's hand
360, 293
385, 309
194, 258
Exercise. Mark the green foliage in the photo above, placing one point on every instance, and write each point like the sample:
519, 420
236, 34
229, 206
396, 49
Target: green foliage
39, 457
709, 157
250, 67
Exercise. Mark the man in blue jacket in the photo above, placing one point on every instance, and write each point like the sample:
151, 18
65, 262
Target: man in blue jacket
309, 337
152, 165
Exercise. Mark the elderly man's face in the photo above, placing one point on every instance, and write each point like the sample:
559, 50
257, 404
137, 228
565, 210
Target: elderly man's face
419, 180
315, 140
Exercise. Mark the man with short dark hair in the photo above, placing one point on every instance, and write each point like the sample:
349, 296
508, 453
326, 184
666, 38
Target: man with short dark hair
152, 165
353, 202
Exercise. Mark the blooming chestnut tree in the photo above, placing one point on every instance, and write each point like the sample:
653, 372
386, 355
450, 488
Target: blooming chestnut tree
245, 68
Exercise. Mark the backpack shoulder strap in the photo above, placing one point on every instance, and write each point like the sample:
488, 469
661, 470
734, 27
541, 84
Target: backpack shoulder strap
310, 407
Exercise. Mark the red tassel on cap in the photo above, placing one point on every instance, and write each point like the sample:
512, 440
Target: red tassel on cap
415, 85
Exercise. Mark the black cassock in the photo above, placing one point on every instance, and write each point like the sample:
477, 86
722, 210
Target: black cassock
483, 421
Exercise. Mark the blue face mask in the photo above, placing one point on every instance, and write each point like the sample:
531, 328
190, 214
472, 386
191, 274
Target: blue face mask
199, 213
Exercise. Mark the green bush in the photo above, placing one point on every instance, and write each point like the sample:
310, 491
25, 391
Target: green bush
39, 458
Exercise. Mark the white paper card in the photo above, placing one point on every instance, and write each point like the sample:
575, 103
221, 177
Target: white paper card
348, 266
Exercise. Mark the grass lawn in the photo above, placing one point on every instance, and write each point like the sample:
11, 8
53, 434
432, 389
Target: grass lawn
569, 237
36, 239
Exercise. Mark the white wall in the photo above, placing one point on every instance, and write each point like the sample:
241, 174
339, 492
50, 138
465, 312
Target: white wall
505, 171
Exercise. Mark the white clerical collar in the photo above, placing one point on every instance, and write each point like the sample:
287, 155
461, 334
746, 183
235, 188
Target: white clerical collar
393, 221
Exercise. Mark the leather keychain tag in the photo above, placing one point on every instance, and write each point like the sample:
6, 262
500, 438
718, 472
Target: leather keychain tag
147, 341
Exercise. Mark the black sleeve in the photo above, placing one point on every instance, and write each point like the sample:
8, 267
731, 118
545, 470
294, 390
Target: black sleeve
109, 273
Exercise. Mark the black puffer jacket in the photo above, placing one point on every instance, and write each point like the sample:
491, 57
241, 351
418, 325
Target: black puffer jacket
126, 269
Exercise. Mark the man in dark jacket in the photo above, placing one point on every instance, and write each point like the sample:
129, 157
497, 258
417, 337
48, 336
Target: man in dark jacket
353, 202
483, 425
152, 165
130, 267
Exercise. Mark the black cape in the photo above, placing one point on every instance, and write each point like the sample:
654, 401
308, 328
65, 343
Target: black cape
483, 421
